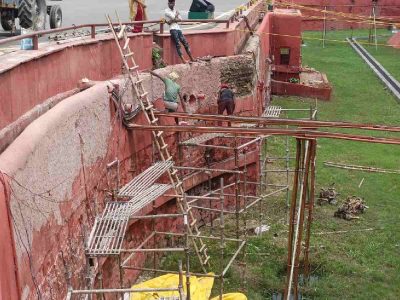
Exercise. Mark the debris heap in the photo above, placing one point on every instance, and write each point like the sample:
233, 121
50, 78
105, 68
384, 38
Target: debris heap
328, 195
352, 207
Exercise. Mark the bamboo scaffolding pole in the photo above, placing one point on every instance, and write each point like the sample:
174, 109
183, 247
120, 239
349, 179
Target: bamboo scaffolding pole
244, 211
163, 271
187, 253
222, 237
262, 198
202, 236
280, 171
208, 146
248, 143
156, 216
237, 191
209, 170
311, 196
180, 286
152, 250
233, 258
139, 247
213, 209
360, 168
292, 214
118, 291
294, 268
281, 122
297, 133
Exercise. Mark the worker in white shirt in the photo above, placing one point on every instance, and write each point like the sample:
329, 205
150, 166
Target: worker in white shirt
172, 17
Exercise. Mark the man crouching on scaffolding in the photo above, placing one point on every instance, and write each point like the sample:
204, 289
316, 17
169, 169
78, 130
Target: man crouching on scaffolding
172, 17
172, 94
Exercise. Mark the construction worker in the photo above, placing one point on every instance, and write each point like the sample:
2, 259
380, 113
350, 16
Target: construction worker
137, 10
226, 101
172, 94
172, 17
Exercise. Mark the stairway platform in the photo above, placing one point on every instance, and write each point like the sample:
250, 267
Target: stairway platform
109, 229
200, 139
144, 180
272, 112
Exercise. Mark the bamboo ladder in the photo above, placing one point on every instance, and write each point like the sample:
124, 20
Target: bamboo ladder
131, 68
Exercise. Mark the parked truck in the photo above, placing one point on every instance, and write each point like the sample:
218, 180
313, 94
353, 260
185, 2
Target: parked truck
32, 14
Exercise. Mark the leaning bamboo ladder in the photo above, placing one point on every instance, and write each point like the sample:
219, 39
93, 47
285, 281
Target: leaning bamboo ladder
131, 68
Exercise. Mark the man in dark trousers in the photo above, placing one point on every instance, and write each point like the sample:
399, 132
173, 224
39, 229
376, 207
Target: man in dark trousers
172, 17
226, 101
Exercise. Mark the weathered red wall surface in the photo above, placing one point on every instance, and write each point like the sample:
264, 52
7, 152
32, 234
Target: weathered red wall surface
286, 26
51, 148
215, 43
8, 270
56, 69
395, 40
287, 88
313, 20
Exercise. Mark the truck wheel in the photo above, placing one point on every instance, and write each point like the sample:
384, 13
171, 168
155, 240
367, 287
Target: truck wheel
55, 17
7, 21
32, 14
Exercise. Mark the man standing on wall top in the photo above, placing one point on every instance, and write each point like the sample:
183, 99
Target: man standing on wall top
172, 17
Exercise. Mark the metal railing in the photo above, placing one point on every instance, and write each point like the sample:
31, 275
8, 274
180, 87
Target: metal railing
37, 34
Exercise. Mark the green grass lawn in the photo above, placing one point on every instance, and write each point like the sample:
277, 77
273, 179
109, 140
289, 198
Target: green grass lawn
357, 264
362, 265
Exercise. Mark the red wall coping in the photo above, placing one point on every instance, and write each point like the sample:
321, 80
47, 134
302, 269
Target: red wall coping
292, 89
27, 78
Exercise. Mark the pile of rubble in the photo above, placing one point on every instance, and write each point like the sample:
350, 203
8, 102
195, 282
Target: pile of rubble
328, 195
352, 207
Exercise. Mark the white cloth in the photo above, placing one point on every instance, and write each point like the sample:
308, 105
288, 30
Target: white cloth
172, 14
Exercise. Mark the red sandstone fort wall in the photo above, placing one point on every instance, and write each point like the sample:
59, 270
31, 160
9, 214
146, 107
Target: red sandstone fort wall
58, 175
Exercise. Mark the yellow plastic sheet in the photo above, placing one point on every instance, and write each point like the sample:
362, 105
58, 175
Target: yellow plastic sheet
233, 296
200, 288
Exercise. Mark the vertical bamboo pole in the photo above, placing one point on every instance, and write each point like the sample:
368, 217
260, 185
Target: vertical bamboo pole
261, 177
292, 213
121, 275
208, 157
180, 286
324, 29
310, 211
300, 217
237, 190
153, 226
222, 239
245, 175
287, 159
187, 249
376, 35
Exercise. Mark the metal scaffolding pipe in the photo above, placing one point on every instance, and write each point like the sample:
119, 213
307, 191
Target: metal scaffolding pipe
256, 131
277, 121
